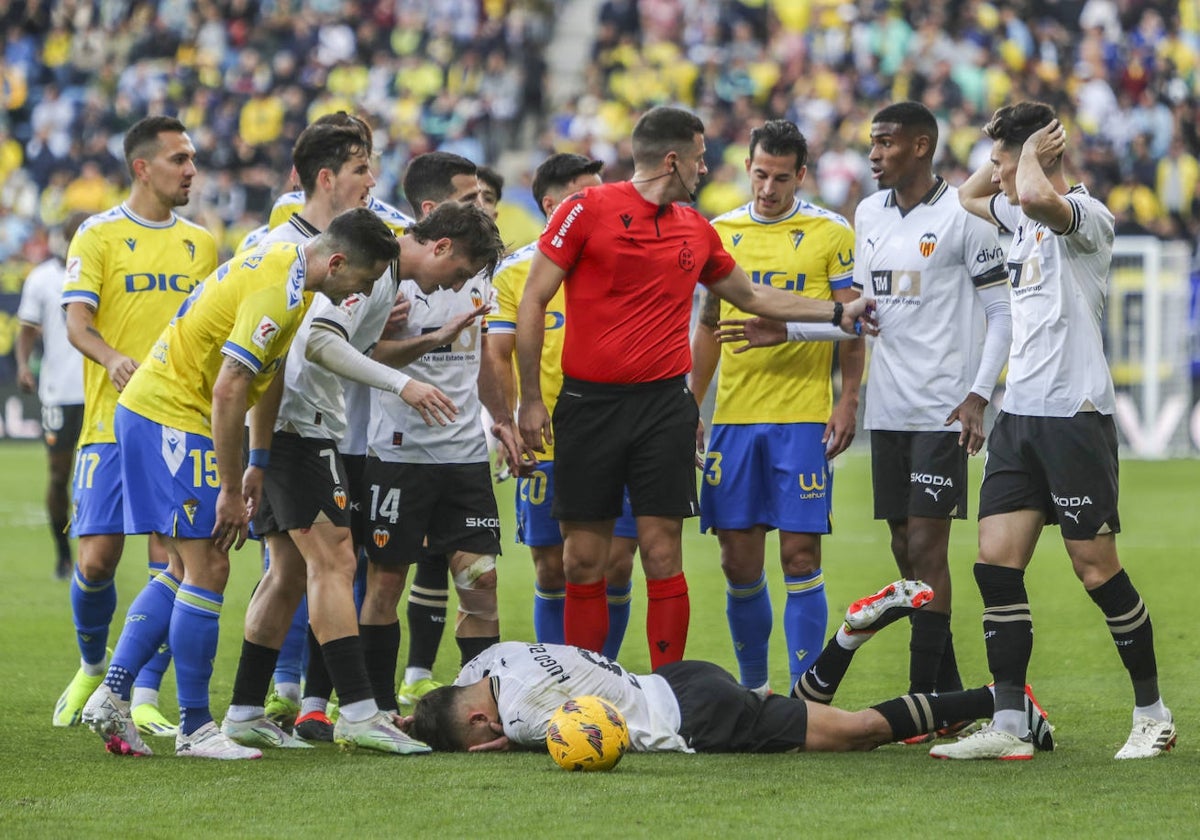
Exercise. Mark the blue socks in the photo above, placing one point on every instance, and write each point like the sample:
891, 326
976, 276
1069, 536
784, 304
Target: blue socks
748, 608
195, 627
151, 675
548, 615
146, 626
92, 605
804, 619
619, 600
290, 665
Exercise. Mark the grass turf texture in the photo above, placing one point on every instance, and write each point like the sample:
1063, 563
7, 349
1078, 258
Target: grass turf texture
58, 783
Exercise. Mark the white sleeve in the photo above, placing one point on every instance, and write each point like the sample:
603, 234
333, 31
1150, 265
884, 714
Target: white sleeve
29, 310
805, 331
333, 352
997, 308
1007, 216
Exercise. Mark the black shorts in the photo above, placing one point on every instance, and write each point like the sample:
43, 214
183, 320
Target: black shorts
918, 474
61, 425
305, 479
719, 715
355, 464
1065, 467
609, 437
446, 507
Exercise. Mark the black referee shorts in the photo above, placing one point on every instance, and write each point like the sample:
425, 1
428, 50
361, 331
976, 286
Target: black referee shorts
719, 715
608, 437
1065, 467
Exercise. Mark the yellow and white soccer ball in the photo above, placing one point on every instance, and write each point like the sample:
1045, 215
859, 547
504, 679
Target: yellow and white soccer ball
587, 733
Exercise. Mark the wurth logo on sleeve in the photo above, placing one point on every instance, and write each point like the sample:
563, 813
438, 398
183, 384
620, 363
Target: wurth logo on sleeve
557, 240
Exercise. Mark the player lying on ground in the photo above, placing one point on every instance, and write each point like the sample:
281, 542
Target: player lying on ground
504, 699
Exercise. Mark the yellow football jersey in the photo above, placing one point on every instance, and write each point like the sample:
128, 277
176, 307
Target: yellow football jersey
809, 252
509, 283
291, 203
249, 309
134, 274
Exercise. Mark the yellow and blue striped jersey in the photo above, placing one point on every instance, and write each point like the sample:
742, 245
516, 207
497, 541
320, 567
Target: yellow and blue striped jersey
808, 252
134, 274
509, 283
248, 309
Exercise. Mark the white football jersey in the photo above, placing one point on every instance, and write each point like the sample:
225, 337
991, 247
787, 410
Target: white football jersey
923, 268
60, 381
313, 405
397, 432
530, 682
1059, 284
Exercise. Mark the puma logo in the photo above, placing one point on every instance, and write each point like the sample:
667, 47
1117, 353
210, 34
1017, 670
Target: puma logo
1074, 516
934, 493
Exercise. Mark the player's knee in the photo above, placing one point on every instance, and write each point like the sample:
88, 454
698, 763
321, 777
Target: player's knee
548, 567
740, 570
476, 585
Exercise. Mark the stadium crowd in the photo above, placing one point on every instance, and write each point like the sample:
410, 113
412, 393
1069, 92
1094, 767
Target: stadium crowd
468, 77
267, 91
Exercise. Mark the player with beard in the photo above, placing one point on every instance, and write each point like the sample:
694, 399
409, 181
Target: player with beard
629, 257
128, 271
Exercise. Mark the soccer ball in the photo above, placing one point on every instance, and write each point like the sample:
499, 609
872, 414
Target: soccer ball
587, 733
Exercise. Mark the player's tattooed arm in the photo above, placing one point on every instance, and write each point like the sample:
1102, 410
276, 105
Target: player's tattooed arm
229, 398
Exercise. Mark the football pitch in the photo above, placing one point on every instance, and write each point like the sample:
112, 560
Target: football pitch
60, 783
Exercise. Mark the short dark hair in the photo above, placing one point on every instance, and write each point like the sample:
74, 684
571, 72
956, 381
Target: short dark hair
492, 178
1012, 124
909, 115
430, 177
141, 140
780, 138
556, 171
468, 226
435, 722
661, 130
348, 120
325, 146
362, 237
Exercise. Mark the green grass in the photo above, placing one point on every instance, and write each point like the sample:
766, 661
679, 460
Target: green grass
59, 783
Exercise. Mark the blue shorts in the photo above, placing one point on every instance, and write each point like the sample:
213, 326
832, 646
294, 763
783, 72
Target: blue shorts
97, 496
767, 474
170, 476
535, 525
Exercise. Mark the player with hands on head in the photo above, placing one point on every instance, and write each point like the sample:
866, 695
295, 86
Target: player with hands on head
1053, 455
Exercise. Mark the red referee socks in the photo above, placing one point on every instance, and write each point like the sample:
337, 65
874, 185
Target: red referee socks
668, 612
585, 615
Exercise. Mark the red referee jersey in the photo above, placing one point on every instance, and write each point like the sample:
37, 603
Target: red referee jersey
632, 269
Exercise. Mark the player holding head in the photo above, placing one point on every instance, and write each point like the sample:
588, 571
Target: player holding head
1053, 453
128, 271
59, 380
776, 427
180, 425
556, 178
429, 488
630, 256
